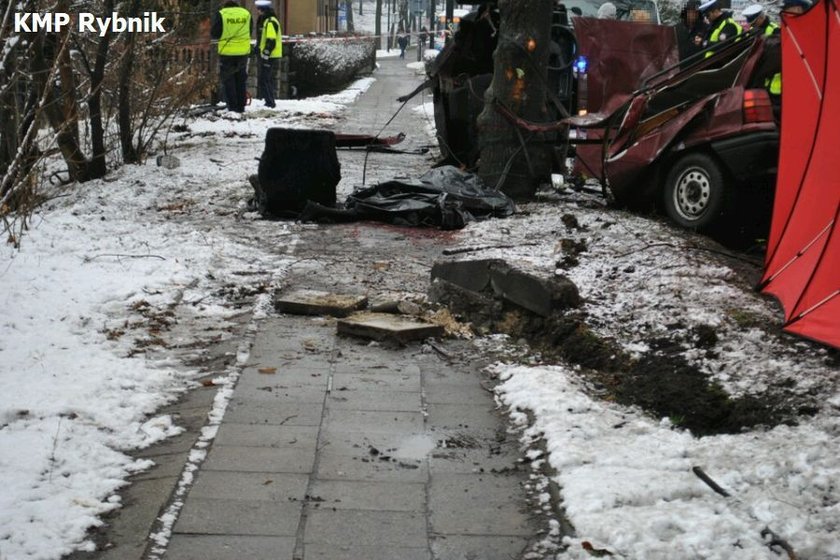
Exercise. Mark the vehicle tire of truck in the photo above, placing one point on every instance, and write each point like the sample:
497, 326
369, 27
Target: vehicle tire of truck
694, 191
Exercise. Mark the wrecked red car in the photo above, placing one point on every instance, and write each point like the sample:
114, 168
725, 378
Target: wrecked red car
692, 138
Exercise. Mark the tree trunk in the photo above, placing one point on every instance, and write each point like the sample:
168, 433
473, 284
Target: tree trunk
349, 11
61, 109
129, 151
512, 159
377, 30
98, 164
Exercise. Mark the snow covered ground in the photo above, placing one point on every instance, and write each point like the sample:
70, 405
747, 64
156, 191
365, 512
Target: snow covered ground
114, 280
625, 478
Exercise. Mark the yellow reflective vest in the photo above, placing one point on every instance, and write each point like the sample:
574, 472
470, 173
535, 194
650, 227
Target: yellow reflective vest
236, 32
271, 30
716, 32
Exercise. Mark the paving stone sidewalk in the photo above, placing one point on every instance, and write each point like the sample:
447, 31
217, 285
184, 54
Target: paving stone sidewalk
332, 447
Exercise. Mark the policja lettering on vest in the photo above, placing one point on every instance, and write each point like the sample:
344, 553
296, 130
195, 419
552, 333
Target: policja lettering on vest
232, 28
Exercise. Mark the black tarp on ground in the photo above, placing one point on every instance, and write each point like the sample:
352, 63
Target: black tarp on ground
444, 197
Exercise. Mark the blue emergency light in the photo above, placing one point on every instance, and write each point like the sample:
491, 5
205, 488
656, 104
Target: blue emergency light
580, 65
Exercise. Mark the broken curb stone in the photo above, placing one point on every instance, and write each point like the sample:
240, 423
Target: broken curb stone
542, 296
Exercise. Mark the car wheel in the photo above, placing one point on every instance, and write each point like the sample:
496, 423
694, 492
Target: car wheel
694, 191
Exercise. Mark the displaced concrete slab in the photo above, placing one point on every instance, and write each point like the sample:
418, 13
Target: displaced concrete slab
542, 296
383, 326
314, 302
474, 280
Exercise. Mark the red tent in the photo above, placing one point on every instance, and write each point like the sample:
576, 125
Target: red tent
802, 266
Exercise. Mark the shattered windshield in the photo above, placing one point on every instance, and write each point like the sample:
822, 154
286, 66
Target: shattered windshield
628, 10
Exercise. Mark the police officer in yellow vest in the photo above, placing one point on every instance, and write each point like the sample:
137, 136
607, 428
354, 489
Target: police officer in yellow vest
269, 51
232, 28
758, 21
721, 24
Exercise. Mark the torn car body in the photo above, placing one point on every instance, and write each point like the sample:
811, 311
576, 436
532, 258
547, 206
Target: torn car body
690, 137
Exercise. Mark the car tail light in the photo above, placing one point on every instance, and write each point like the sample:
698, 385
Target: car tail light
757, 106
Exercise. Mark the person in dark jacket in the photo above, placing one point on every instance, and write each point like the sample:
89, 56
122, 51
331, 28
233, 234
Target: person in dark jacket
691, 31
402, 41
269, 51
721, 25
232, 29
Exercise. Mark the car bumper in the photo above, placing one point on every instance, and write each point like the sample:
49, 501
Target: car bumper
749, 156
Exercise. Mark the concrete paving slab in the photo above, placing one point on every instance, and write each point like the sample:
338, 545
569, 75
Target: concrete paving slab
377, 361
238, 517
253, 435
373, 421
229, 547
251, 486
369, 381
340, 466
463, 417
467, 393
476, 461
259, 459
330, 552
485, 547
281, 393
247, 411
385, 529
385, 326
376, 496
287, 378
477, 505
315, 302
404, 401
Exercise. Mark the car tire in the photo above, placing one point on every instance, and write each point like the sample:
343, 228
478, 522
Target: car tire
694, 192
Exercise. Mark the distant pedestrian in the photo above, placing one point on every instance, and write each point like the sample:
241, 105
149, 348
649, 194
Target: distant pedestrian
402, 41
269, 51
421, 41
232, 29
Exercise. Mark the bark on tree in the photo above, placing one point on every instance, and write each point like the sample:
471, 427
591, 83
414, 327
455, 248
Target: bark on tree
98, 165
511, 159
377, 30
349, 11
129, 151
